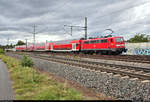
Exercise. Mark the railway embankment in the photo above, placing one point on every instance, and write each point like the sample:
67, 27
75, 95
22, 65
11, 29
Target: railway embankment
31, 84
116, 62
121, 87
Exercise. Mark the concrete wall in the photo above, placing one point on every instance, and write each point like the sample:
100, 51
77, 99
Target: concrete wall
138, 48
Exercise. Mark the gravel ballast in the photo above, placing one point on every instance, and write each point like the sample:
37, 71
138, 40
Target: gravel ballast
107, 83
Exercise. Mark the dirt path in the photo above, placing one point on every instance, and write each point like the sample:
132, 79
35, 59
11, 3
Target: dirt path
6, 92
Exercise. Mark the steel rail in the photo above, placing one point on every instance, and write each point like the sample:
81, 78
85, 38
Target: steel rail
98, 66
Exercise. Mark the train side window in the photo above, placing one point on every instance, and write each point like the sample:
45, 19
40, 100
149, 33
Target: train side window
105, 40
86, 42
93, 41
99, 41
89, 42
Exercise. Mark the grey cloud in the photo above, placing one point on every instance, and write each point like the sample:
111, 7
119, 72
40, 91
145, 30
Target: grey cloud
50, 16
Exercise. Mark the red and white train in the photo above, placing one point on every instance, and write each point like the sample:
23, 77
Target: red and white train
108, 45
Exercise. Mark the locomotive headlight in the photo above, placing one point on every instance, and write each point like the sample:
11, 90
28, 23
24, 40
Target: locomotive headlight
119, 44
122, 44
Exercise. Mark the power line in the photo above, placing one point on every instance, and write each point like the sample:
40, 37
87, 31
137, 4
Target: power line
122, 9
71, 28
100, 17
85, 27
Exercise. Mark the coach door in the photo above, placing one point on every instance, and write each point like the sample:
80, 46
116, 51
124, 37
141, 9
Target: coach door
110, 44
51, 47
46, 46
73, 46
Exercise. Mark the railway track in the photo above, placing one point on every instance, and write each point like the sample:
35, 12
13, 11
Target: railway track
123, 70
126, 58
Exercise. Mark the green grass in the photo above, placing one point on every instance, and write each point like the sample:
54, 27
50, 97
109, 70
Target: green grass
2, 51
42, 88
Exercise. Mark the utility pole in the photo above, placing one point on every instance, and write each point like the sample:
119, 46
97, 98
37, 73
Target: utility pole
34, 34
71, 30
85, 28
26, 43
8, 42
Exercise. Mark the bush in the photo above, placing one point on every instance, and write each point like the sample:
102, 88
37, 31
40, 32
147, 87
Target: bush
26, 61
1, 51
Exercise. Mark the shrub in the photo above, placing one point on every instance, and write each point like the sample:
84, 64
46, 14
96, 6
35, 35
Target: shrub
1, 51
26, 61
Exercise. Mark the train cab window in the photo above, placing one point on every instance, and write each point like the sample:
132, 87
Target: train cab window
77, 44
118, 39
111, 40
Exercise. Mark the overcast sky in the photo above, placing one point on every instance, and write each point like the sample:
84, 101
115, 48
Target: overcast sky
124, 17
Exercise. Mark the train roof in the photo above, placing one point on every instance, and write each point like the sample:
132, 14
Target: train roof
104, 38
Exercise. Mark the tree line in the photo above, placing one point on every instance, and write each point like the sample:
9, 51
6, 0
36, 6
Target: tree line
139, 38
11, 45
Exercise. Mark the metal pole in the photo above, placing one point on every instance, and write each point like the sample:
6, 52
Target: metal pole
34, 36
71, 30
8, 42
86, 28
26, 44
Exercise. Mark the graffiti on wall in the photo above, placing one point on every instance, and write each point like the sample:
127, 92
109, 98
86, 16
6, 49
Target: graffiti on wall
138, 48
138, 51
141, 51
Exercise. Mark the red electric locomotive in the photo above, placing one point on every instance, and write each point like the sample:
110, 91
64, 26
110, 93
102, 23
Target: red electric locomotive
109, 45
